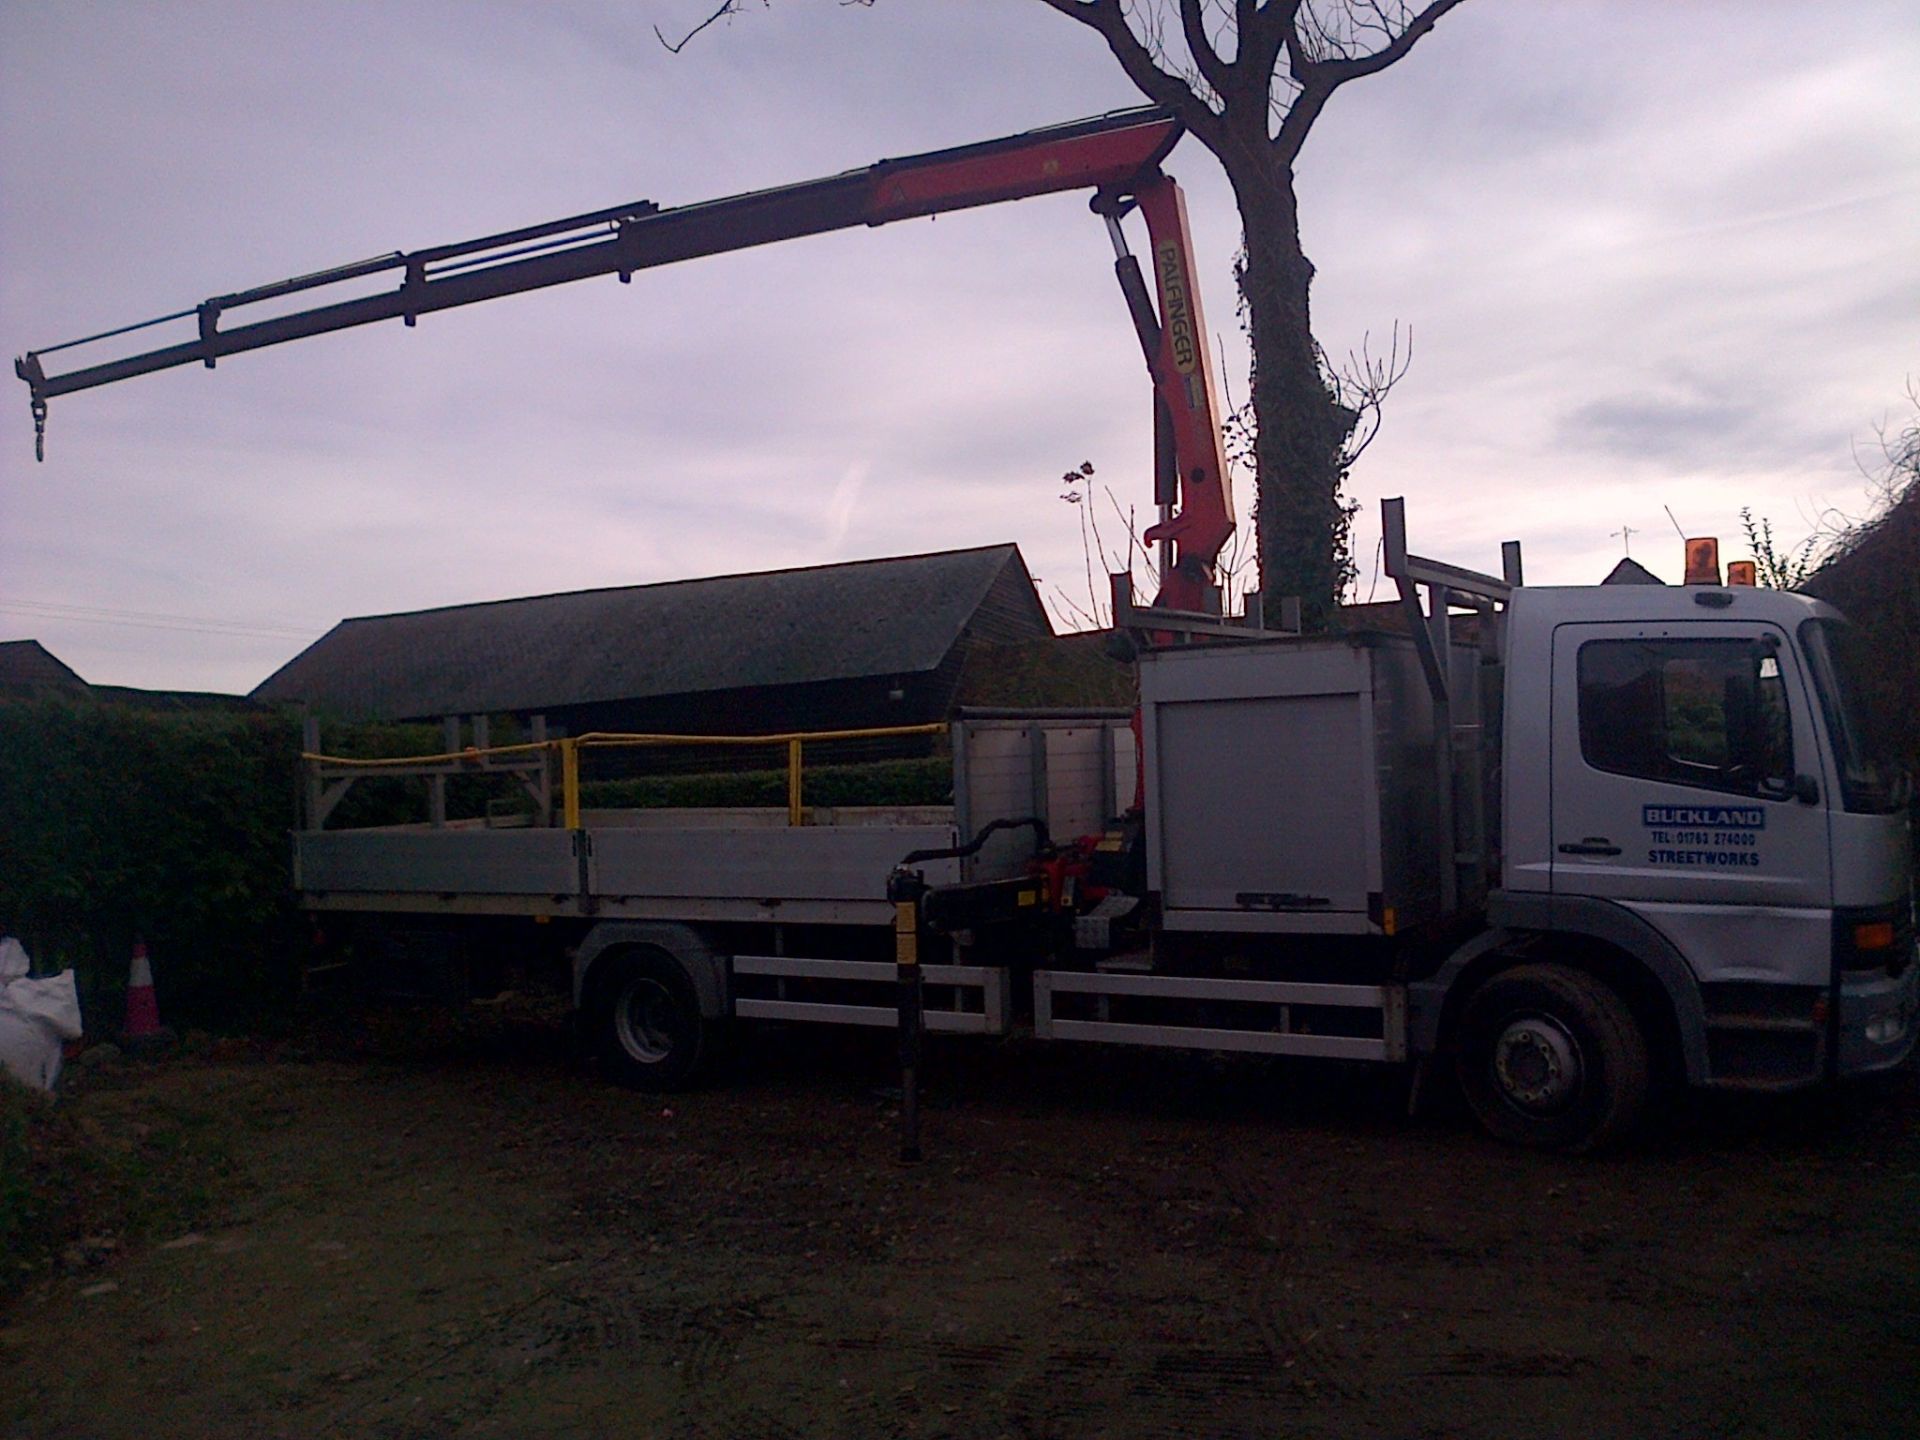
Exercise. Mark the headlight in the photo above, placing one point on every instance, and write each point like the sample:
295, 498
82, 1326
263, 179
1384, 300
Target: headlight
1885, 1029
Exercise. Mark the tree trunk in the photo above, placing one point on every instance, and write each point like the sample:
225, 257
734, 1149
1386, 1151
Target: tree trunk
1301, 428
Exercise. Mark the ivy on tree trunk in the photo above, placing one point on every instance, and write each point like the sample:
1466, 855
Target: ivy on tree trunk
1300, 428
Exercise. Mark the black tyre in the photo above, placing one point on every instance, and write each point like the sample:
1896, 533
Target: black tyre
645, 1024
1551, 1057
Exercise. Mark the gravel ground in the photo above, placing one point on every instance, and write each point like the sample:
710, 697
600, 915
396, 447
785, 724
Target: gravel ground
468, 1234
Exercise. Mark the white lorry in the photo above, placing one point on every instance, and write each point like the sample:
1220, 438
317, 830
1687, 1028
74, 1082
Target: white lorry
1576, 840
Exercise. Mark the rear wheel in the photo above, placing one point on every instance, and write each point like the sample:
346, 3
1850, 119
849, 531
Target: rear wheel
645, 1022
1552, 1057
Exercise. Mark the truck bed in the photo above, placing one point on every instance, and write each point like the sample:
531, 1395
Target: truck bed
716, 865
1070, 769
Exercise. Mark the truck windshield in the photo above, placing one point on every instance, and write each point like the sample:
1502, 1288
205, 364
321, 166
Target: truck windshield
1871, 782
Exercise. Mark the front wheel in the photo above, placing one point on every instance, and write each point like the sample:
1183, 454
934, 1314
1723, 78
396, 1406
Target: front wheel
645, 1022
1551, 1057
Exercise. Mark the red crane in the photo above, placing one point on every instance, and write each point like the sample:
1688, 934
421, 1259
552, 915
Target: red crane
1117, 156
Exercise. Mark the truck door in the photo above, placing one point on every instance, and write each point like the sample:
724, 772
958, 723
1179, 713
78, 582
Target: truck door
1685, 786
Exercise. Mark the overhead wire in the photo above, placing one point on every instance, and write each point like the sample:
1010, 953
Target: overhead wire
152, 620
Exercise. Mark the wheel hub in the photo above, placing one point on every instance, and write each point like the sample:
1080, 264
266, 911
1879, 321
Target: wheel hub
1537, 1063
644, 1021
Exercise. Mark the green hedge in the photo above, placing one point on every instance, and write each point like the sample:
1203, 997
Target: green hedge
885, 782
118, 823
172, 826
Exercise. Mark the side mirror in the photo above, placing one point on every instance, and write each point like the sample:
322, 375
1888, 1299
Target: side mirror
1803, 788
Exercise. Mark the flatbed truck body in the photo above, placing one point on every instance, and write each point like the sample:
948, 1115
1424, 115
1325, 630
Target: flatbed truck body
1572, 839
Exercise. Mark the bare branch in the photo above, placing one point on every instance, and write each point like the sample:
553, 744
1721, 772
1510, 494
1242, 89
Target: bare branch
1063, 605
1109, 20
730, 7
1893, 480
1337, 71
1193, 25
1322, 58
1363, 384
1134, 544
1109, 563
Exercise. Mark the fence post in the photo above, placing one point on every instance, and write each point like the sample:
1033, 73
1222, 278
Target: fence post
310, 772
543, 794
904, 888
570, 783
796, 812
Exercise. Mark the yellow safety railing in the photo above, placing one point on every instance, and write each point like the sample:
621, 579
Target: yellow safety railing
569, 751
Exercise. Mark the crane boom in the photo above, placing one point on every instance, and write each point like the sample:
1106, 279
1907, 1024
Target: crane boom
1116, 155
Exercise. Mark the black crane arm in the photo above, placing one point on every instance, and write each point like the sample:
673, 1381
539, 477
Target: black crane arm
1108, 151
1116, 155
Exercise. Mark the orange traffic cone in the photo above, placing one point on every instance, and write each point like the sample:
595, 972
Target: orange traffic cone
143, 1009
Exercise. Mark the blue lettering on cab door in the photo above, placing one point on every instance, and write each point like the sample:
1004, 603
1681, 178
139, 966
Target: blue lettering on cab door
1714, 836
1704, 817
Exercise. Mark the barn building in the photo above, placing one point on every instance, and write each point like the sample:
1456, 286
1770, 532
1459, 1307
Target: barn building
862, 644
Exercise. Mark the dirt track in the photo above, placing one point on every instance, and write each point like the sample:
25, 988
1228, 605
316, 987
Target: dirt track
478, 1238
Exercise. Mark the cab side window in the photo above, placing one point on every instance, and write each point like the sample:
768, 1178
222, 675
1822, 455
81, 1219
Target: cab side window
1707, 713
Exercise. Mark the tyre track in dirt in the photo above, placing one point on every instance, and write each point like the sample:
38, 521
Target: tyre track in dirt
1299, 1334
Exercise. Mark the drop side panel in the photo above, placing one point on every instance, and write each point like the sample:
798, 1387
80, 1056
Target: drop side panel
463, 862
804, 863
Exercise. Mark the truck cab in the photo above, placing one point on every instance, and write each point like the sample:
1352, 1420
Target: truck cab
1687, 783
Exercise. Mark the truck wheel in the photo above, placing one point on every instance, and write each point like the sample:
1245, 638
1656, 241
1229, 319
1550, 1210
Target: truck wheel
645, 1022
1551, 1057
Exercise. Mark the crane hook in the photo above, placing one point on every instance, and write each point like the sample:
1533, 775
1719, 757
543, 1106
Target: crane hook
39, 429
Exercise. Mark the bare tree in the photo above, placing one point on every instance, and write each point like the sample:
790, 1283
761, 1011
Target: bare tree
1100, 559
1249, 79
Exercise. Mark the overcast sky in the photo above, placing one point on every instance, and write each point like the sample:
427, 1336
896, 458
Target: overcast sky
1652, 255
